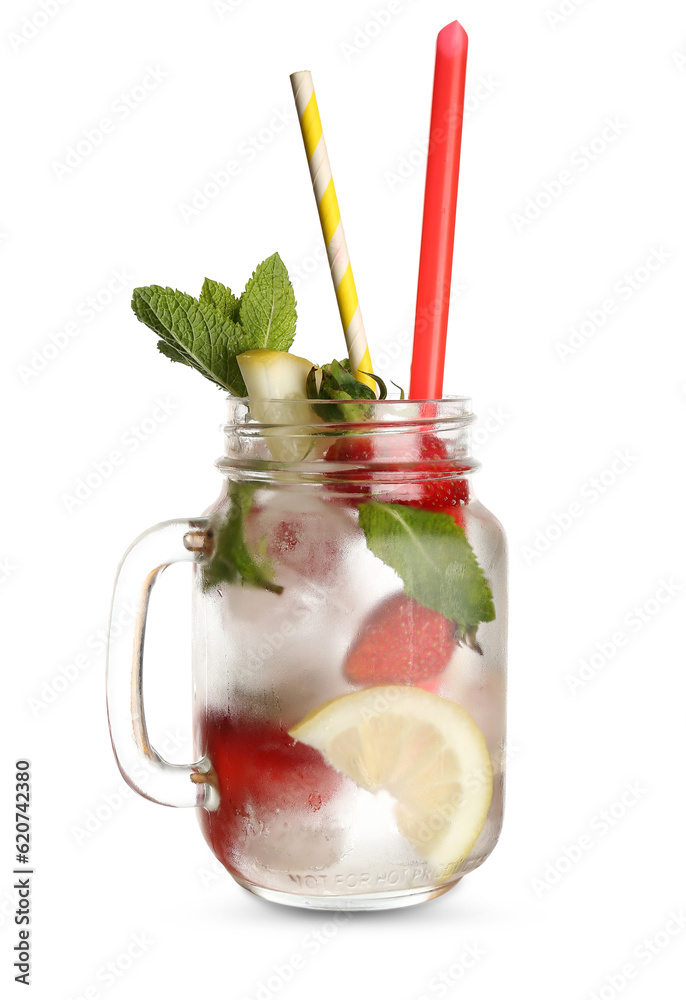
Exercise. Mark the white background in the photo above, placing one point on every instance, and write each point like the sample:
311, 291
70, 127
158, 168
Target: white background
540, 89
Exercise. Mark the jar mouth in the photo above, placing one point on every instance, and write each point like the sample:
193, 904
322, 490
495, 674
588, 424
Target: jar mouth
337, 415
314, 440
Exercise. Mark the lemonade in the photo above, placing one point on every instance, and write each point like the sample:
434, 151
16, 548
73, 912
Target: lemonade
356, 736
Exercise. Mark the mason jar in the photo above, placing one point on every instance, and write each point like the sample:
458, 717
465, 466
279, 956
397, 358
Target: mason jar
349, 622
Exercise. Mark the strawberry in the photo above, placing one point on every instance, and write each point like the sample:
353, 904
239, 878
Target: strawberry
352, 450
401, 642
257, 761
308, 541
437, 494
425, 454
262, 774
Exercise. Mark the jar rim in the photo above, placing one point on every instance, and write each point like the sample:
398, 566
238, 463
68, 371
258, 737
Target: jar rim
294, 436
244, 412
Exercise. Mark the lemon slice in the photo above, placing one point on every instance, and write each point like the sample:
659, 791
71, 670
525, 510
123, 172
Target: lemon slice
426, 751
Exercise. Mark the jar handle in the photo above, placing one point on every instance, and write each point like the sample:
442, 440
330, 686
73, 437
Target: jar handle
181, 540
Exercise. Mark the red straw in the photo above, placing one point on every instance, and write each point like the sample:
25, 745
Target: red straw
440, 202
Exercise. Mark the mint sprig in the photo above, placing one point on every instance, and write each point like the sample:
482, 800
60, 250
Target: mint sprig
209, 332
436, 563
231, 560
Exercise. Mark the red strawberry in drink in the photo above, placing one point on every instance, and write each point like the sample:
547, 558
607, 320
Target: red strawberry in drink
437, 493
401, 642
273, 791
351, 450
259, 764
383, 460
299, 534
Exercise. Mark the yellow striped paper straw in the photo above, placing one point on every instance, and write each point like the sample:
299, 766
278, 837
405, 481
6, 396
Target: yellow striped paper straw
332, 227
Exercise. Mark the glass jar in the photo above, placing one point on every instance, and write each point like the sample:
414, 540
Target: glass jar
349, 646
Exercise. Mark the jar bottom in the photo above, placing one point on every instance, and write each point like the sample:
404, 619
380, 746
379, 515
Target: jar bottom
352, 903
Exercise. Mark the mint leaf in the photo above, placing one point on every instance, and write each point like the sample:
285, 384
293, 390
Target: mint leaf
222, 298
194, 333
432, 556
267, 307
231, 560
172, 353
